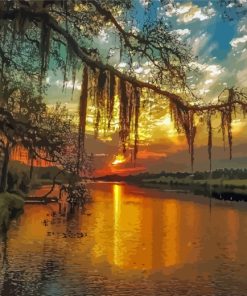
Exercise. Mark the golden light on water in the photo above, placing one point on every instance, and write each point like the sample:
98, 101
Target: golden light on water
129, 230
117, 192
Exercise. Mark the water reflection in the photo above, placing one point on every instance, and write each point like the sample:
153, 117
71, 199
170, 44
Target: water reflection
138, 241
146, 232
117, 192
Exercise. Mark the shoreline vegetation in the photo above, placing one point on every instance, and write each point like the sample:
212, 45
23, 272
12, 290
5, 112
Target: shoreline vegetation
224, 184
18, 187
11, 207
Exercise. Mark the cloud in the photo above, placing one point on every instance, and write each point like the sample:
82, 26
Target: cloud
234, 66
195, 12
199, 42
182, 32
241, 77
172, 8
144, 2
243, 28
209, 81
212, 70
187, 12
239, 40
68, 84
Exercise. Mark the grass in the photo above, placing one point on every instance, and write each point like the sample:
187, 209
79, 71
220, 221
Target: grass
11, 206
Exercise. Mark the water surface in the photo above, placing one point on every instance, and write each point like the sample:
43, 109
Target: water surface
129, 241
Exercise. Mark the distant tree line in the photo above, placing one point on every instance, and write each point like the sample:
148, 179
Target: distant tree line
217, 174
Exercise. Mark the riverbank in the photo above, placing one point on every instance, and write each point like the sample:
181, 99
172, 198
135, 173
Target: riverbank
224, 184
11, 206
225, 189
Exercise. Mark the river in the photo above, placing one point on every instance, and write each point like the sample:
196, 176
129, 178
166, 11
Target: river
129, 241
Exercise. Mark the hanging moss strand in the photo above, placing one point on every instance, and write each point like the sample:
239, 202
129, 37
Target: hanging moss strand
137, 113
112, 83
123, 114
82, 115
209, 126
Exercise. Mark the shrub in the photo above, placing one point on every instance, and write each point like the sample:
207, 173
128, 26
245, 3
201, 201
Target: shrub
25, 183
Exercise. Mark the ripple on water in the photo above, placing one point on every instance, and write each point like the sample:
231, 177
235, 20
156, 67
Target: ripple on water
128, 242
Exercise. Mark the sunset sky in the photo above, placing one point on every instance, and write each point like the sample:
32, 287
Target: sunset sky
220, 48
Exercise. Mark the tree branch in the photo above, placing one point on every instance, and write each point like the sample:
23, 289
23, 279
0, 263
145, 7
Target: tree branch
53, 184
97, 64
44, 16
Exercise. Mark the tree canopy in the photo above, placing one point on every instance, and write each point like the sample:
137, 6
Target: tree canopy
64, 35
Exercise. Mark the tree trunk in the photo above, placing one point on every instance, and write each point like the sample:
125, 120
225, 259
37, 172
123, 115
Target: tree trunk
4, 176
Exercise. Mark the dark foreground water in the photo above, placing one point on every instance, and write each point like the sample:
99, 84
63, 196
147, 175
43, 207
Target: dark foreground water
129, 241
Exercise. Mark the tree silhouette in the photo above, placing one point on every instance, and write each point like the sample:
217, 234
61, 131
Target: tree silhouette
51, 28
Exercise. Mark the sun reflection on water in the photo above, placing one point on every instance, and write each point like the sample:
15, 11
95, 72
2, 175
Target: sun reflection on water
117, 192
131, 231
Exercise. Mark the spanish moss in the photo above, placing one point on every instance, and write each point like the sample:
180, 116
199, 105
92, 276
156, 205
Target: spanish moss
111, 98
82, 115
44, 47
209, 128
184, 121
123, 114
137, 113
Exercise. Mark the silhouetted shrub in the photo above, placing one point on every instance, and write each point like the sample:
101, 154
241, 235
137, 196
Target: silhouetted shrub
25, 183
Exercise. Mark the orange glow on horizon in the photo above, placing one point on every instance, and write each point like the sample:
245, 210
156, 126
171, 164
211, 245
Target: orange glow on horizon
120, 171
21, 154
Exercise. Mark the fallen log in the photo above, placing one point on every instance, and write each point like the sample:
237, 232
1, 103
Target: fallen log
40, 200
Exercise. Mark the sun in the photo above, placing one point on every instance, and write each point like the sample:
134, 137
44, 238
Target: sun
165, 121
118, 159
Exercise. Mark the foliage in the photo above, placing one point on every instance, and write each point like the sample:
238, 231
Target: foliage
39, 130
77, 194
51, 28
27, 122
18, 182
11, 206
71, 162
50, 25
